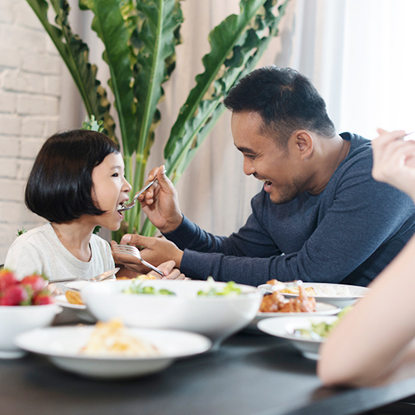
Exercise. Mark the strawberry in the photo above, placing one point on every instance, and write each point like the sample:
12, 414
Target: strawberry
36, 282
42, 298
7, 279
15, 295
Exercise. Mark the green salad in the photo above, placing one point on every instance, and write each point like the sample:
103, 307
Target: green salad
321, 330
136, 287
215, 289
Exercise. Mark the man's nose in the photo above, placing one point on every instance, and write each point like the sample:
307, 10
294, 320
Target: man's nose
248, 166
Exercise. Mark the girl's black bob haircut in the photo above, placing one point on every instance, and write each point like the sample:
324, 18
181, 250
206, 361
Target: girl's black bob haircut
60, 185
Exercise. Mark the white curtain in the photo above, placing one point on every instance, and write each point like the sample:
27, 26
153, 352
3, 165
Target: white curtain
363, 62
358, 53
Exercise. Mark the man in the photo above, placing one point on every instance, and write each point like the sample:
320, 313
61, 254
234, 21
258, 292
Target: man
320, 216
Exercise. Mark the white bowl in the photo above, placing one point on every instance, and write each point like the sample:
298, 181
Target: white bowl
17, 319
216, 317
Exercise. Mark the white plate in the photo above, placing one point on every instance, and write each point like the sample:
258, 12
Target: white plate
283, 326
75, 285
62, 344
79, 284
322, 309
356, 292
80, 310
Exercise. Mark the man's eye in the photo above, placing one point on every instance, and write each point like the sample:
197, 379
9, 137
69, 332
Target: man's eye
250, 156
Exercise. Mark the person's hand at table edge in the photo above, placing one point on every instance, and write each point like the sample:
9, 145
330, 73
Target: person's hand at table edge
161, 203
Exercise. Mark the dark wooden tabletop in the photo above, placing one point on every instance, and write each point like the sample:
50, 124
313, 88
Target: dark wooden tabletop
249, 374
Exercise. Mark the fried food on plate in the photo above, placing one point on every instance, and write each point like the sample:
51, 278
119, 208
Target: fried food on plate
276, 302
74, 297
290, 289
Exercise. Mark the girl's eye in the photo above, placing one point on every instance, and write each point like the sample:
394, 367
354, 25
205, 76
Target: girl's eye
115, 175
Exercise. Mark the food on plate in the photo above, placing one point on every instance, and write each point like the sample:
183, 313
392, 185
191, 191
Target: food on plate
74, 297
144, 277
114, 339
332, 291
320, 290
31, 290
321, 330
137, 287
291, 288
276, 302
229, 289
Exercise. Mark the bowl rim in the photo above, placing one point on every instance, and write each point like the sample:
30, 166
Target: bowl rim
25, 307
252, 291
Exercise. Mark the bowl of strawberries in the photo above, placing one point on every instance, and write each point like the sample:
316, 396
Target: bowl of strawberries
24, 305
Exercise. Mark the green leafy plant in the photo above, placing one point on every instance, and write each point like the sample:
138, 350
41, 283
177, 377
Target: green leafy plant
140, 37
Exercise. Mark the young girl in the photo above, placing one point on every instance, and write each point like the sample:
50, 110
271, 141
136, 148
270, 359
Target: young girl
77, 183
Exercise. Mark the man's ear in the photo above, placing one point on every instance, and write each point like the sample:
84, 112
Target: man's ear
304, 144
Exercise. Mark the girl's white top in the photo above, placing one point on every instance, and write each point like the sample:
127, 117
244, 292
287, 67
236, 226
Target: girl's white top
40, 250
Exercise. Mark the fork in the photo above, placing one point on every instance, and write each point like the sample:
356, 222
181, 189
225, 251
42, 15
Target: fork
132, 204
134, 251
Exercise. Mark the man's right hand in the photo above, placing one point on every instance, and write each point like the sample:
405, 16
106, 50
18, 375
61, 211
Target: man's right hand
161, 203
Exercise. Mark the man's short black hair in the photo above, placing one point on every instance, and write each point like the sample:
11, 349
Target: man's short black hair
286, 101
60, 184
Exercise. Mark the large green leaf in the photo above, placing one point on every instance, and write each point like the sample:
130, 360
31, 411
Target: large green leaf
112, 28
158, 33
235, 42
74, 52
159, 37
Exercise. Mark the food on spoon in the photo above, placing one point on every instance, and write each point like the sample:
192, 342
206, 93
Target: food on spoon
291, 289
114, 339
74, 297
230, 289
276, 302
29, 291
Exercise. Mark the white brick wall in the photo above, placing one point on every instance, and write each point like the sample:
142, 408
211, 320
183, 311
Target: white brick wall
30, 88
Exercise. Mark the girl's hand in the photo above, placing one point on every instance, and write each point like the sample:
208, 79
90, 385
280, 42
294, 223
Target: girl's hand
394, 161
156, 251
169, 271
161, 203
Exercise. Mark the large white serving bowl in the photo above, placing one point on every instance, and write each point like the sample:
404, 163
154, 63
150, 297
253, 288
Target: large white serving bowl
17, 319
216, 317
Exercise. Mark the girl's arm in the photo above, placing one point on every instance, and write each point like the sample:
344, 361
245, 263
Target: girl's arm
373, 344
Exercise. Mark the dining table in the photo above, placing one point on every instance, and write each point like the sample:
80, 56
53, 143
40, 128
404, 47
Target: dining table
251, 373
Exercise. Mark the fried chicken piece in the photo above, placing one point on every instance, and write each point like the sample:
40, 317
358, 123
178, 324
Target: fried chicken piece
276, 302
271, 303
306, 304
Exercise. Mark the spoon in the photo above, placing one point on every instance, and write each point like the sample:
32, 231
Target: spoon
101, 277
132, 204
